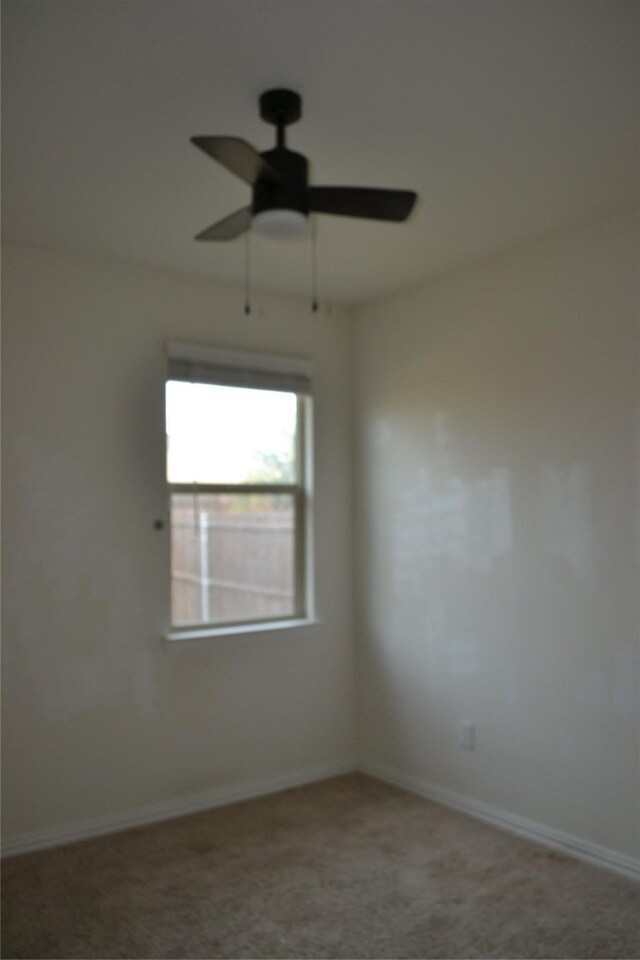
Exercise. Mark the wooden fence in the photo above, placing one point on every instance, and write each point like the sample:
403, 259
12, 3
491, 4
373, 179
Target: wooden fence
232, 558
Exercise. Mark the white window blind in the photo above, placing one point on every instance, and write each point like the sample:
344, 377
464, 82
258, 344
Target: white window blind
230, 368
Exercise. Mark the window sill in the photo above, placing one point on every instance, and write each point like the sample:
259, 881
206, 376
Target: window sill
175, 638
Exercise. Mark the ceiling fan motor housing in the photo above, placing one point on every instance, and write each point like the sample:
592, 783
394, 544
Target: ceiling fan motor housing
289, 195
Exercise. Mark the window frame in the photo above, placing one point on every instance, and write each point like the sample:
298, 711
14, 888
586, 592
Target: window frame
299, 490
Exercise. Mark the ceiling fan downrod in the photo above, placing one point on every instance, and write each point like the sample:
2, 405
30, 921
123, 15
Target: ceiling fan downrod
281, 108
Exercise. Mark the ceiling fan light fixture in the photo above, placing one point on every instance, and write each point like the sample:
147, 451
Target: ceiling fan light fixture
280, 222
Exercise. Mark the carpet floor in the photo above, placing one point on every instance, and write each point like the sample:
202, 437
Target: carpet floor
350, 867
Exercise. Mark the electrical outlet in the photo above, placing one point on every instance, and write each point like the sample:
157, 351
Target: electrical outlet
467, 735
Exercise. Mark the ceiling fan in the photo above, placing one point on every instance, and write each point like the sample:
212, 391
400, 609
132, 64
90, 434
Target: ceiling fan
281, 196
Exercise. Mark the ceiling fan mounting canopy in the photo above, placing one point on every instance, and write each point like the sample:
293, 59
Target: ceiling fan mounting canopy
281, 196
280, 107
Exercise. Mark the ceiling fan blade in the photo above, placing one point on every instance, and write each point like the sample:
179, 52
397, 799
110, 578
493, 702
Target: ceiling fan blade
228, 229
239, 157
362, 202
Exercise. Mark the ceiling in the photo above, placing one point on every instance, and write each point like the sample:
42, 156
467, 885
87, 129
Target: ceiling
511, 119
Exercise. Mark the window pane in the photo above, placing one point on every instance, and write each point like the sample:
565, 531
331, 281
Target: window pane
229, 434
232, 557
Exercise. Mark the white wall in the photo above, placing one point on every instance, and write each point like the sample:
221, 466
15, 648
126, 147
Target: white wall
497, 518
497, 547
99, 717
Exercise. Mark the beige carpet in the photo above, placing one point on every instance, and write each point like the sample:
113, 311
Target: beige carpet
346, 868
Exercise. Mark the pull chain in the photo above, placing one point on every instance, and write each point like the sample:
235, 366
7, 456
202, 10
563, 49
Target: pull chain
247, 274
314, 272
314, 269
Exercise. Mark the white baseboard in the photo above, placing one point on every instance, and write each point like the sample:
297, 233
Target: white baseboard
514, 823
167, 810
207, 800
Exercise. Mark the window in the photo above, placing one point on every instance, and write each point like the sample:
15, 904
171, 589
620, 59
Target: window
237, 469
